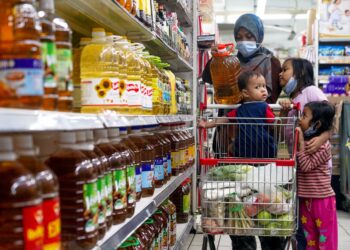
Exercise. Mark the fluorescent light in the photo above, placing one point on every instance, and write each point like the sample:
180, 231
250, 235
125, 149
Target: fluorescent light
220, 19
266, 17
260, 9
276, 17
301, 16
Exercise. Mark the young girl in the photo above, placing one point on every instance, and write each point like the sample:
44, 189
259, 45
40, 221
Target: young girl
317, 198
297, 80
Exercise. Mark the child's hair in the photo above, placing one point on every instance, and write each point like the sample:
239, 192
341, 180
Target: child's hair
244, 78
347, 11
303, 73
323, 112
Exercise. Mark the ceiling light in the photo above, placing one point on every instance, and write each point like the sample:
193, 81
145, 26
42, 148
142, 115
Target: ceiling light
260, 9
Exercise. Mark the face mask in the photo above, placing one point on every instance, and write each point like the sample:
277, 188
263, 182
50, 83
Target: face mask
247, 48
311, 131
290, 86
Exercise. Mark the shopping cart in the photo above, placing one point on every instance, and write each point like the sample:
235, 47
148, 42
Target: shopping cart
248, 176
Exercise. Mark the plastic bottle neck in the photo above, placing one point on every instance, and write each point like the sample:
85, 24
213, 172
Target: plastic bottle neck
8, 156
27, 152
76, 146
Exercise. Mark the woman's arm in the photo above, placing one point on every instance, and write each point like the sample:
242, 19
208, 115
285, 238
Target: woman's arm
213, 123
315, 143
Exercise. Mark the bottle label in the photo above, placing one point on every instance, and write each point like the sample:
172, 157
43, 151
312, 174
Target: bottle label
147, 175
52, 224
91, 206
133, 93
175, 155
33, 228
156, 97
138, 180
169, 163
101, 194
165, 238
49, 60
187, 155
158, 169
182, 157
143, 96
120, 189
165, 164
132, 185
149, 95
109, 193
21, 77
64, 69
102, 91
186, 203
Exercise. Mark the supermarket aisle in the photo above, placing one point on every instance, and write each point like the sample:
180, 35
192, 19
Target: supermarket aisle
224, 243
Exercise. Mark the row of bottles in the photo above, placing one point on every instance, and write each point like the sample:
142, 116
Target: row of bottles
157, 233
101, 175
35, 57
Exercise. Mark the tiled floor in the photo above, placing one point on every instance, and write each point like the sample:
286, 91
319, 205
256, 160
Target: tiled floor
223, 242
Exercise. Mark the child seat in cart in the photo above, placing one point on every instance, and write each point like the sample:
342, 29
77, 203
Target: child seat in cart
248, 176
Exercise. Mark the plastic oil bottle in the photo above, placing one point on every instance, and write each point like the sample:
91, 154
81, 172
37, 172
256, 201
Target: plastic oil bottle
48, 48
76, 73
147, 79
21, 73
64, 66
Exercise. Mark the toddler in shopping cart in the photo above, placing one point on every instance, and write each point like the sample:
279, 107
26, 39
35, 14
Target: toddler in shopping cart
253, 138
317, 198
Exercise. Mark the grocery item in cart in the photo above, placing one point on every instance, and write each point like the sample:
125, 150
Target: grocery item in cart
225, 69
100, 169
20, 205
64, 65
49, 54
118, 169
78, 193
181, 197
21, 74
48, 184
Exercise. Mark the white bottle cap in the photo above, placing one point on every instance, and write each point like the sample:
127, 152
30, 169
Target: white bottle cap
113, 132
47, 5
89, 135
23, 142
100, 134
67, 138
6, 144
98, 32
81, 136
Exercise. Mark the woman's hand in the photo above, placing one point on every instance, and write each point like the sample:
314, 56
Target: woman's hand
202, 123
315, 143
286, 104
214, 49
301, 142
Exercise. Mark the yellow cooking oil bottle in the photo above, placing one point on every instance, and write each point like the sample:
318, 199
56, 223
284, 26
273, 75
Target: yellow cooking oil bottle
148, 96
99, 74
156, 84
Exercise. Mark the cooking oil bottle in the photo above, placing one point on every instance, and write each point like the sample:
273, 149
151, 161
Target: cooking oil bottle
76, 73
147, 77
99, 74
64, 65
21, 74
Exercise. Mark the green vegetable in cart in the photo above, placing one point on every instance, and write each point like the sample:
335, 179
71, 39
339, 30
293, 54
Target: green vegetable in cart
264, 218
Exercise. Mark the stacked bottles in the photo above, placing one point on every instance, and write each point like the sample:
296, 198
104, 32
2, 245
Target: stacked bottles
182, 200
21, 73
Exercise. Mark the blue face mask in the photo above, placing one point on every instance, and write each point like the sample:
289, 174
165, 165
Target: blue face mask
311, 131
290, 86
247, 48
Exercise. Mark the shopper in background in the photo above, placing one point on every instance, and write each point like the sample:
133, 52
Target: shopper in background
317, 206
249, 35
297, 80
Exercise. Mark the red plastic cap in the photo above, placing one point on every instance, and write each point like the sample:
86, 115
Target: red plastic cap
221, 46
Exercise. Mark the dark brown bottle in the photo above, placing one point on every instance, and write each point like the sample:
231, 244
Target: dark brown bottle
131, 243
163, 145
118, 169
20, 203
95, 160
144, 234
182, 143
167, 213
186, 142
117, 143
163, 220
166, 154
147, 158
48, 184
108, 179
181, 197
154, 229
175, 152
78, 193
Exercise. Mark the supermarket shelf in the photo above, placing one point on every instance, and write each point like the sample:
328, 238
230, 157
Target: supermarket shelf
334, 59
334, 39
184, 16
144, 209
82, 16
205, 41
182, 232
21, 120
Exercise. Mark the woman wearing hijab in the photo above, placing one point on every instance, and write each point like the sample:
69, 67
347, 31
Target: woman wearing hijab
249, 35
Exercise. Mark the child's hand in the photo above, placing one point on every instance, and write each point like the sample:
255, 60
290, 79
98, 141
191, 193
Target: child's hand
285, 103
301, 144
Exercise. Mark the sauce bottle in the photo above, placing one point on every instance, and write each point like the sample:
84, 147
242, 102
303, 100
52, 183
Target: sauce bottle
166, 211
64, 65
131, 243
147, 158
136, 151
144, 234
77, 178
163, 220
165, 150
168, 154
154, 229
21, 73
107, 175
48, 48
175, 152
116, 141
48, 184
20, 204
181, 197
118, 169
95, 160
172, 212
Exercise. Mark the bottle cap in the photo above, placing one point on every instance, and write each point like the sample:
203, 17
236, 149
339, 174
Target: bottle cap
89, 135
6, 144
109, 34
23, 142
113, 132
98, 32
47, 5
101, 134
81, 136
67, 138
84, 41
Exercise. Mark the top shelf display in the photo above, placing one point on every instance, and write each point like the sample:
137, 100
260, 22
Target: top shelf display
83, 15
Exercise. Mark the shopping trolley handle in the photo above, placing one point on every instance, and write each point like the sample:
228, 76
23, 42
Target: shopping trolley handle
276, 107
